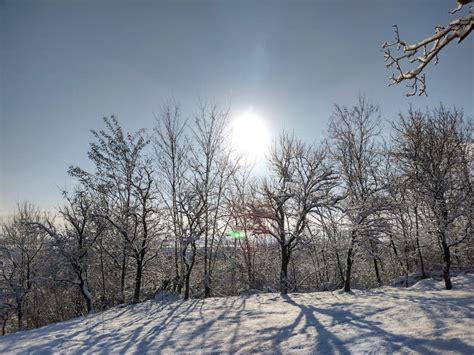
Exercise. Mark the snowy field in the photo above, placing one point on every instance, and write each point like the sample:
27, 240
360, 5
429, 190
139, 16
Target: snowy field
421, 319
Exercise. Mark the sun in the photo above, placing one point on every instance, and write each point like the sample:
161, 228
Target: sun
250, 136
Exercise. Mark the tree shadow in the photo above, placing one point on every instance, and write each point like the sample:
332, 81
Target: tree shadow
230, 324
370, 329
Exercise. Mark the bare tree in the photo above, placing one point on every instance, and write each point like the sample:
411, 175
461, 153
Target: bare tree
172, 150
301, 184
433, 149
407, 221
76, 242
212, 166
425, 51
124, 181
242, 190
353, 132
192, 209
6, 312
21, 247
145, 242
331, 222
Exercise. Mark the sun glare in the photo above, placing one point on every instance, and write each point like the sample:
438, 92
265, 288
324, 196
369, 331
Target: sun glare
250, 136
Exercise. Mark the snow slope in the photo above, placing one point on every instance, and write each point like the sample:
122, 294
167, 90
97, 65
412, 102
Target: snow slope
422, 319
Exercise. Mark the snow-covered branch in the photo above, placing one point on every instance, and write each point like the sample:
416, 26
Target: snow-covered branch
424, 52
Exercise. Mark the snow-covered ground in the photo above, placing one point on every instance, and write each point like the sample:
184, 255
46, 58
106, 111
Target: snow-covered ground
421, 319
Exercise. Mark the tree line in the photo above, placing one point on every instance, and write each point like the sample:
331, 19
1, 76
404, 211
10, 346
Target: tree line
174, 209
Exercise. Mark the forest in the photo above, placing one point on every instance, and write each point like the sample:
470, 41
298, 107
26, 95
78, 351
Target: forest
174, 209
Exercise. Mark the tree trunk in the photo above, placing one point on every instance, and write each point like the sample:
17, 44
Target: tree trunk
186, 284
319, 277
446, 265
180, 271
207, 281
87, 296
326, 267
285, 260
377, 272
407, 263
189, 269
19, 313
397, 257
248, 261
339, 266
295, 282
347, 281
4, 325
207, 285
251, 279
420, 255
138, 281
376, 266
102, 273
122, 277
177, 284
446, 252
250, 274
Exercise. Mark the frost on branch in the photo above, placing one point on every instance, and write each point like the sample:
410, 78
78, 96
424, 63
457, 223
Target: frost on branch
425, 51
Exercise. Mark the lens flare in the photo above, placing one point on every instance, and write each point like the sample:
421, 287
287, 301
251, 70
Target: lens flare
236, 234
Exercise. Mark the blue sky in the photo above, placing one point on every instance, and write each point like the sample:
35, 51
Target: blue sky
65, 64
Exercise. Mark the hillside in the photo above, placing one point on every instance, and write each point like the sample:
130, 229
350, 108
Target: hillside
421, 319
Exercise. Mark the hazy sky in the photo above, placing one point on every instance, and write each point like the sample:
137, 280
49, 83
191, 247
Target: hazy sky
65, 64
